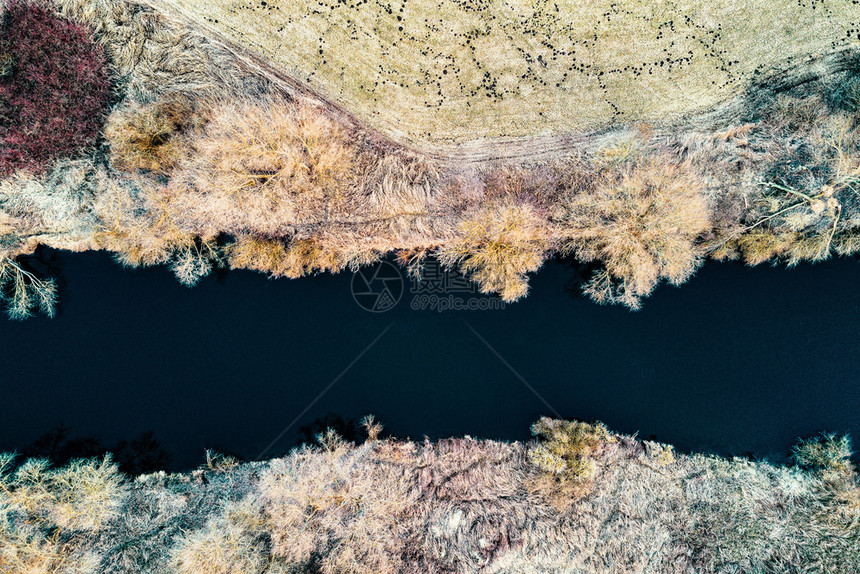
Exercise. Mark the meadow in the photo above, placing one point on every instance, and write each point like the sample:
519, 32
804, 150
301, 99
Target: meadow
442, 71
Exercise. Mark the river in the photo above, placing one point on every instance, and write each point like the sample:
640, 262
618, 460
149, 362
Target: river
739, 361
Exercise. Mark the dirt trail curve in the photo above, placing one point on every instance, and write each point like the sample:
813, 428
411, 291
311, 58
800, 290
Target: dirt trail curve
530, 149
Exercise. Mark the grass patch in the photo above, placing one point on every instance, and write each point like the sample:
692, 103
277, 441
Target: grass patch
154, 56
46, 514
430, 70
614, 505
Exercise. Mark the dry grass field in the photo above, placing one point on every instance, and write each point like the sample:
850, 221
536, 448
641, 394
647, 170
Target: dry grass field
579, 499
458, 70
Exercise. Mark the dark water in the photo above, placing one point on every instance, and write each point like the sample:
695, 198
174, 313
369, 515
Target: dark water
738, 361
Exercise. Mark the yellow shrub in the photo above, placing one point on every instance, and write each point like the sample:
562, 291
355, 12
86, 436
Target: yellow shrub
565, 459
31, 553
566, 443
760, 245
847, 243
309, 255
337, 509
81, 496
830, 456
641, 224
828, 453
498, 245
136, 222
296, 258
151, 136
249, 252
44, 513
811, 247
662, 454
266, 166
227, 544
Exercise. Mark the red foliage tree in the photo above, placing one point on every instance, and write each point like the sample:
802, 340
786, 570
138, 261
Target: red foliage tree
54, 87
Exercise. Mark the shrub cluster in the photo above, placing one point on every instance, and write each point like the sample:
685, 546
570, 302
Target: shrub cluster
149, 137
292, 188
45, 512
498, 245
267, 167
806, 206
827, 452
581, 499
565, 459
322, 500
54, 87
641, 223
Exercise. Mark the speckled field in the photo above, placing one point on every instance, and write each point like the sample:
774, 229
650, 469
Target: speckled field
455, 70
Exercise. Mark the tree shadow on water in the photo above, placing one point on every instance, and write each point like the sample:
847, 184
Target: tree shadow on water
140, 455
